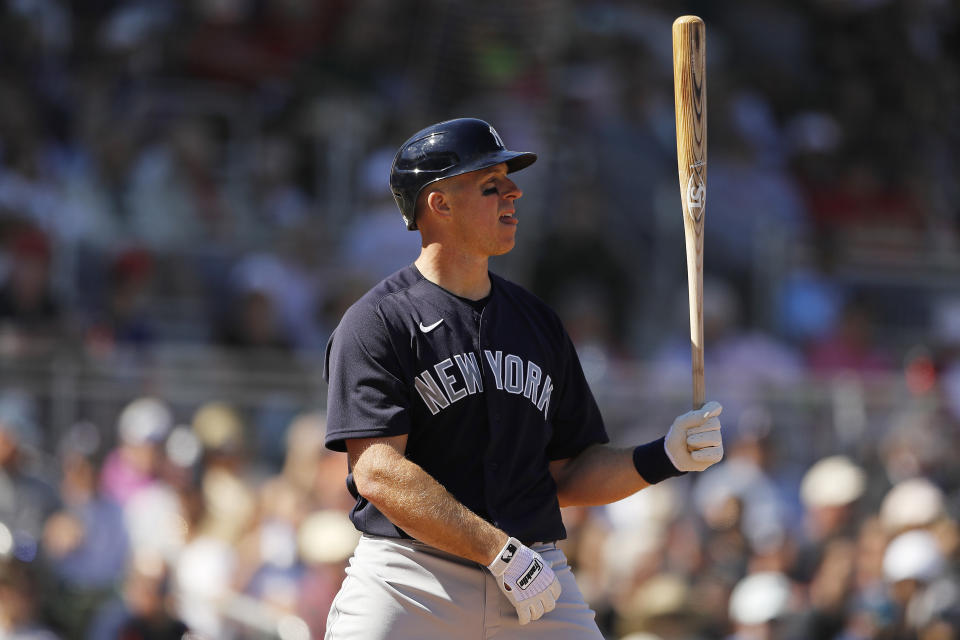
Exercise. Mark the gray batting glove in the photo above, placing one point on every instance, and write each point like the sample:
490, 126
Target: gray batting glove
526, 579
694, 441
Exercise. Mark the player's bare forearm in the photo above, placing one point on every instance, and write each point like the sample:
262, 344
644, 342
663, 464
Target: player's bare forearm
414, 501
600, 474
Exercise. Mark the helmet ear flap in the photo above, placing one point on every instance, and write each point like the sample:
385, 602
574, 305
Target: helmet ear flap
407, 208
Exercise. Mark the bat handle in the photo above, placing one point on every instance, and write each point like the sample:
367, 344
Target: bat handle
699, 389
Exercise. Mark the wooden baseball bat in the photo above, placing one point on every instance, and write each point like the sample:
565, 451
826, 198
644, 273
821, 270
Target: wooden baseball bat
690, 101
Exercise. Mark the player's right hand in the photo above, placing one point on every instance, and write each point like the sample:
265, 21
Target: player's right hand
526, 579
694, 441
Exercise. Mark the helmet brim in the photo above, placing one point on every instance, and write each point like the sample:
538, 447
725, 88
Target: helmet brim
515, 161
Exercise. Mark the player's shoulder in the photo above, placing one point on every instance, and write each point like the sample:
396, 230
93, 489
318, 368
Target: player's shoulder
371, 303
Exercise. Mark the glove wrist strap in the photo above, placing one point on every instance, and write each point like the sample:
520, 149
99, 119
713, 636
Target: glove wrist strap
652, 462
500, 563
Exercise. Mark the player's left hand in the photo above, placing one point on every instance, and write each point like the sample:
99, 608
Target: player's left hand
694, 441
526, 579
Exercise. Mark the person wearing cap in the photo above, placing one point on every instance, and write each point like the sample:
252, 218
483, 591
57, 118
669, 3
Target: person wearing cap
759, 606
132, 466
468, 421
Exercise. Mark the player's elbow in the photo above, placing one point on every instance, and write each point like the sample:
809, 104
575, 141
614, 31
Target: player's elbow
560, 470
373, 473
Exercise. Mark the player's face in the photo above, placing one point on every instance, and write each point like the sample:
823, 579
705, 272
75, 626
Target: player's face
484, 215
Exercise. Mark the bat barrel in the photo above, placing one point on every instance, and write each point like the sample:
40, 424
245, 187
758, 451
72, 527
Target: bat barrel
690, 94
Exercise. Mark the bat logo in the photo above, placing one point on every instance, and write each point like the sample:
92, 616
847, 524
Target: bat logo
696, 194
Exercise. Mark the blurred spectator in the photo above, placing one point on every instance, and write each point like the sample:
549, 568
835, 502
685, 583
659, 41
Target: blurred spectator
20, 601
219, 430
253, 326
742, 362
132, 466
923, 587
742, 480
282, 202
659, 605
829, 491
831, 588
761, 606
747, 177
143, 611
205, 570
28, 307
911, 504
946, 326
154, 516
578, 260
26, 497
376, 242
810, 297
124, 320
177, 193
85, 544
313, 471
275, 302
851, 345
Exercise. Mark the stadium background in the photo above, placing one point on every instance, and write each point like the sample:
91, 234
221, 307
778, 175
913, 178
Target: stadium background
192, 193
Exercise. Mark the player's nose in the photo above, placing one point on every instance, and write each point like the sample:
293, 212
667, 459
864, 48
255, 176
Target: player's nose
511, 191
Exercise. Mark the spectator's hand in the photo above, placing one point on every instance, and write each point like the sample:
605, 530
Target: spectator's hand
526, 580
694, 441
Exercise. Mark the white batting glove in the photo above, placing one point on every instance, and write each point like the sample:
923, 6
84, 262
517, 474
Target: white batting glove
526, 579
694, 441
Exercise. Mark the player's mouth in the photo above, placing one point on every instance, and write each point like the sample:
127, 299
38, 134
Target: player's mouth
509, 218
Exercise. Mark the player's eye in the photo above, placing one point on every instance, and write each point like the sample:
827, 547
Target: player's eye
489, 191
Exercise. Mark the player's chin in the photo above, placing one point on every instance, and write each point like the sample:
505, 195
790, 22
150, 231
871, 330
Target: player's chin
504, 246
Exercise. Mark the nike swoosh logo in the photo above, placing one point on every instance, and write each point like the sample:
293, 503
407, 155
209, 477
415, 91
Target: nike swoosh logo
430, 327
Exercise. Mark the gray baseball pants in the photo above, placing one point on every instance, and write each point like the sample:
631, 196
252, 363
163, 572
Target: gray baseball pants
406, 590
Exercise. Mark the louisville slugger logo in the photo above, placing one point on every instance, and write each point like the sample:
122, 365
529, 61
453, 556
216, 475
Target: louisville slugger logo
696, 194
530, 574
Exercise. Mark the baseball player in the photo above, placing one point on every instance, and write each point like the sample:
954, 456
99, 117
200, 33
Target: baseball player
468, 422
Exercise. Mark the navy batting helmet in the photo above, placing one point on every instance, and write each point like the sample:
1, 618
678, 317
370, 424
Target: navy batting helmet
443, 150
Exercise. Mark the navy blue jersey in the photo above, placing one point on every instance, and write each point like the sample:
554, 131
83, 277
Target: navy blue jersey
486, 398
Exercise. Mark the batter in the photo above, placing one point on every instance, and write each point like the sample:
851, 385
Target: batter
468, 422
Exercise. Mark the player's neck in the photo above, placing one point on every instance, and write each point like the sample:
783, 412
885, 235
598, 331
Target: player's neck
458, 273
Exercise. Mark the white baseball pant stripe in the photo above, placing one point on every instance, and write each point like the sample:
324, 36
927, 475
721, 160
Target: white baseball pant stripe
406, 590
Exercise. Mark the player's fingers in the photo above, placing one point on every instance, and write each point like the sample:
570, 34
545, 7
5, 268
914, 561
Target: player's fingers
556, 589
712, 409
536, 609
549, 602
709, 454
551, 595
523, 612
698, 416
703, 440
713, 424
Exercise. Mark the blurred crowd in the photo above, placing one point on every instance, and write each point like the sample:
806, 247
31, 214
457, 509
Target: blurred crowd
211, 178
177, 521
169, 527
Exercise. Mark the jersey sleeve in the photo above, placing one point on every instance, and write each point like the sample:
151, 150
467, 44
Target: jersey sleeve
366, 397
577, 423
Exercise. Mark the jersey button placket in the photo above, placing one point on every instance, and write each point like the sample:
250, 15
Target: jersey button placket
492, 467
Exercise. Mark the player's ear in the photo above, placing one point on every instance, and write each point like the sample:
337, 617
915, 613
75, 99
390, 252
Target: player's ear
437, 202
